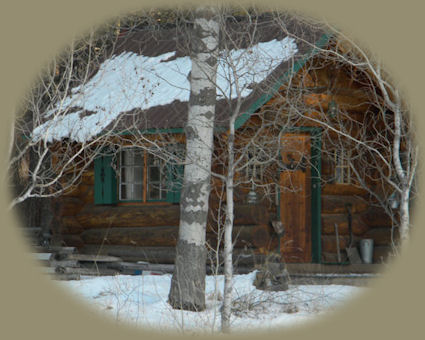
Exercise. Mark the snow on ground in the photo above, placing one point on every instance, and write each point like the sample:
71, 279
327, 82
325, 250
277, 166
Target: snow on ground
142, 301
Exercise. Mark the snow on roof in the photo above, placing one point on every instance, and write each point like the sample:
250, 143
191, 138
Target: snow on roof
131, 81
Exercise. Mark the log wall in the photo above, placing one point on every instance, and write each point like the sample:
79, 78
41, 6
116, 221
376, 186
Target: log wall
150, 231
144, 232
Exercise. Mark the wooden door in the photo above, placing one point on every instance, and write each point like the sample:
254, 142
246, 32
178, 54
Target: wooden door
295, 198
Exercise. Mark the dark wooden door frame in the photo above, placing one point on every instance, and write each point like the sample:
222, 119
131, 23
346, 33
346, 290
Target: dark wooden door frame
316, 202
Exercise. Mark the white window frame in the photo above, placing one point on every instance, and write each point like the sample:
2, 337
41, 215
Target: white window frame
342, 170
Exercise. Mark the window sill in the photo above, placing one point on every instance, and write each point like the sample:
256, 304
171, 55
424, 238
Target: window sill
123, 203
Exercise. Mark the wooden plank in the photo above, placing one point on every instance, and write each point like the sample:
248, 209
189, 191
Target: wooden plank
295, 198
127, 266
85, 258
41, 256
64, 263
66, 277
86, 271
62, 250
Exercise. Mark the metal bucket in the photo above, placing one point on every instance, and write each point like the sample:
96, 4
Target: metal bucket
366, 250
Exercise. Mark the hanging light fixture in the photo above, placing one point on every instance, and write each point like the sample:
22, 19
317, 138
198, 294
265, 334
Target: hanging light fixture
252, 196
393, 200
332, 109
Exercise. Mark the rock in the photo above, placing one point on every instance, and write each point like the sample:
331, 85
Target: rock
272, 276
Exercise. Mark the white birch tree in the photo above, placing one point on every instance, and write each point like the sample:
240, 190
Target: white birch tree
188, 282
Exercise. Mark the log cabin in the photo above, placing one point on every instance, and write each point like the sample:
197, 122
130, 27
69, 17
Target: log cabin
127, 200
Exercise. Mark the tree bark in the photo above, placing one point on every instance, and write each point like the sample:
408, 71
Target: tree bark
188, 281
228, 228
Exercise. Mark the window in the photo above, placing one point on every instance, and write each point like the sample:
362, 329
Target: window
142, 176
342, 172
138, 177
131, 174
257, 159
156, 183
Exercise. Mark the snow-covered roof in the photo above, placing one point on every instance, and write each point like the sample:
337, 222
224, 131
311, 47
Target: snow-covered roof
144, 83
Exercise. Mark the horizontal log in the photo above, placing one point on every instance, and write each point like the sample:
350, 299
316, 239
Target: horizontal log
134, 253
167, 255
69, 225
380, 236
376, 218
333, 257
329, 243
382, 254
166, 236
64, 263
98, 216
85, 258
75, 191
140, 267
336, 204
251, 214
88, 178
67, 206
342, 189
329, 220
92, 216
143, 236
71, 241
257, 236
86, 271
65, 277
87, 194
62, 250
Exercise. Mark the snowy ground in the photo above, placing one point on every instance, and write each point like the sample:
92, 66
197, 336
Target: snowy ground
142, 300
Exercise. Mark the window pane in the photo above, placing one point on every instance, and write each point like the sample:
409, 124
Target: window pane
154, 193
138, 174
123, 175
138, 157
131, 157
126, 158
154, 174
152, 160
125, 191
137, 191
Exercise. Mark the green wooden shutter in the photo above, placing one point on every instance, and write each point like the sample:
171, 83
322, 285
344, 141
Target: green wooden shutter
105, 181
175, 174
174, 182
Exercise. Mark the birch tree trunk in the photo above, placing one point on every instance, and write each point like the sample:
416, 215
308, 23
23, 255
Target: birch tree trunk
228, 228
188, 281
